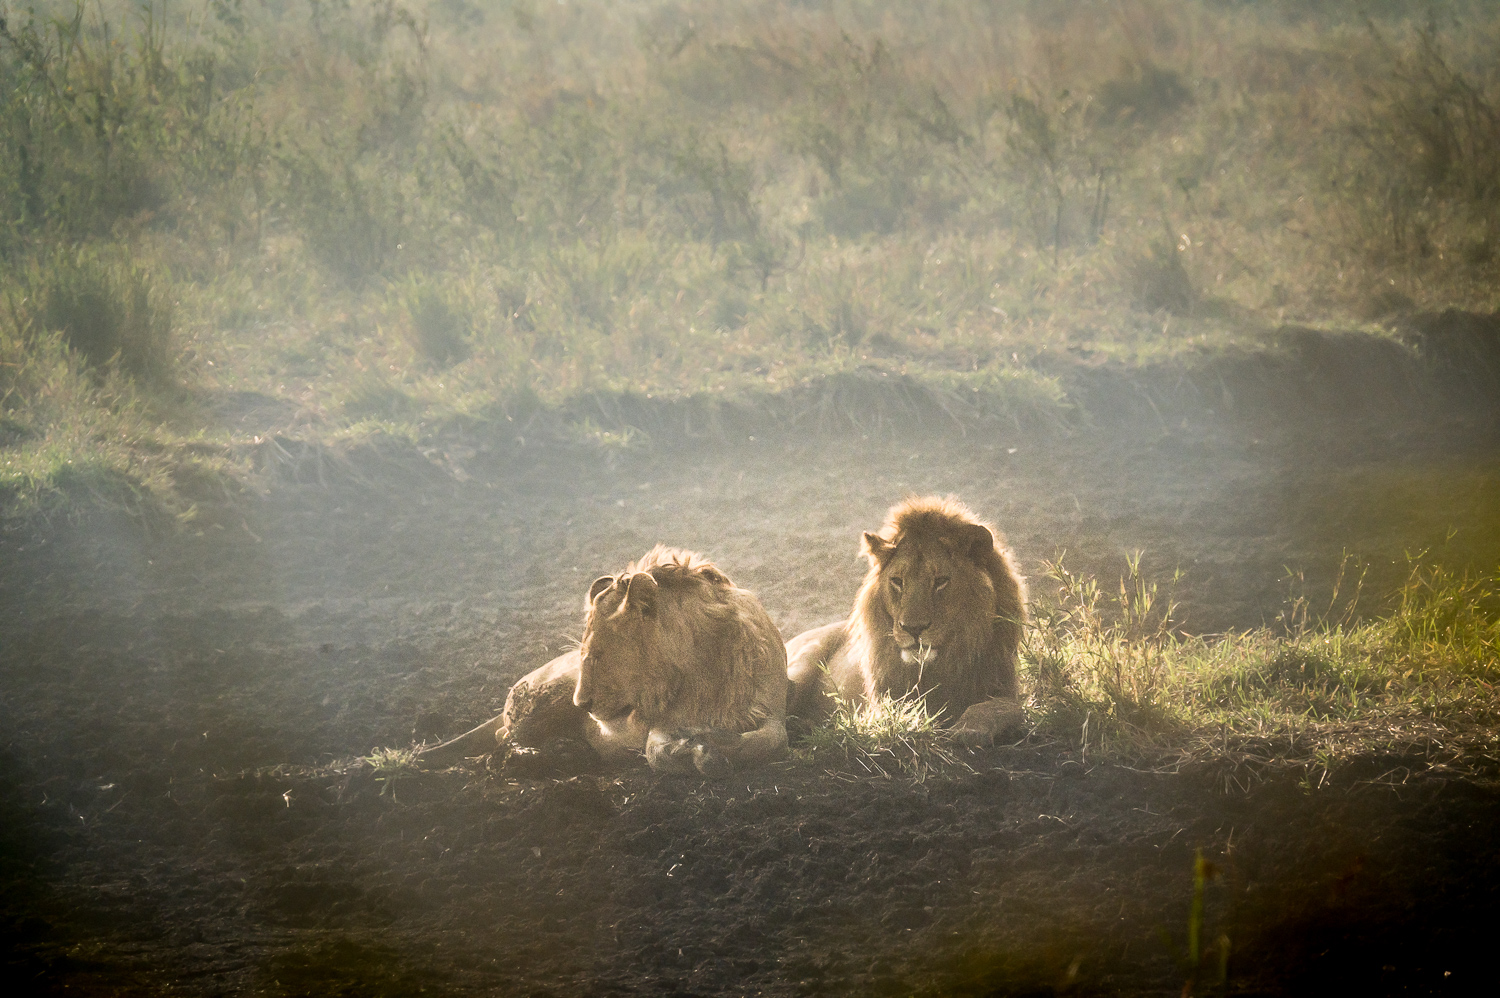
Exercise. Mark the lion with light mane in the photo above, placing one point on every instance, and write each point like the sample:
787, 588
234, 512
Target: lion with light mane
939, 616
676, 663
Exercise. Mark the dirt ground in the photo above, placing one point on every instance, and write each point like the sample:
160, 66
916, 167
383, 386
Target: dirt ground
175, 704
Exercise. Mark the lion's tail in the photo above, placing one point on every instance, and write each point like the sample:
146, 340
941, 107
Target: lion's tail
474, 742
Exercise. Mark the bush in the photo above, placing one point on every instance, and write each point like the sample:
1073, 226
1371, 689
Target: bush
109, 311
1427, 162
101, 124
436, 327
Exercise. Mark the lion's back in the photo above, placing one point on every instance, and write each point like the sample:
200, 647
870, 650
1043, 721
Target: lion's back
741, 680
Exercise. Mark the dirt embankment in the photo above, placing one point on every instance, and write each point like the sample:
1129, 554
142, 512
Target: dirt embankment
169, 697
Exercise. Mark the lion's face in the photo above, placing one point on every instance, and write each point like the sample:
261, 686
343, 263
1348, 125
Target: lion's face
933, 589
619, 642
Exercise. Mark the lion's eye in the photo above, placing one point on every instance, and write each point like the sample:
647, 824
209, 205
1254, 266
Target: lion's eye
895, 583
940, 583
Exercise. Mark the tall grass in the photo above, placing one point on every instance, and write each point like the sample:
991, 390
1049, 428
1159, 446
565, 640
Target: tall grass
558, 198
67, 428
1444, 621
1409, 690
1103, 664
113, 120
108, 311
1414, 684
1427, 162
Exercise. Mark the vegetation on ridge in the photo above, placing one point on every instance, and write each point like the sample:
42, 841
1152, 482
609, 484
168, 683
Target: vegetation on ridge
371, 215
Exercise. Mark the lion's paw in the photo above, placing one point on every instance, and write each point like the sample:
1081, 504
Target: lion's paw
558, 757
687, 752
711, 762
972, 737
984, 722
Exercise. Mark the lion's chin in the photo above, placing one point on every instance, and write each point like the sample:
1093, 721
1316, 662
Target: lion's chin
919, 655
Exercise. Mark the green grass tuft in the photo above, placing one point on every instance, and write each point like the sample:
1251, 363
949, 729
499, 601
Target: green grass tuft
392, 764
1415, 686
1445, 629
890, 735
109, 311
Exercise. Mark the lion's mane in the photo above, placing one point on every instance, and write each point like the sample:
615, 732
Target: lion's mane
979, 658
963, 609
701, 652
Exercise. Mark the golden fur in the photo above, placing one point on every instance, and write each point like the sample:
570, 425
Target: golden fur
676, 663
940, 615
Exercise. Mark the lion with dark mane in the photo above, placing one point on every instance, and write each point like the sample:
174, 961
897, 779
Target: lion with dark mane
676, 663
939, 616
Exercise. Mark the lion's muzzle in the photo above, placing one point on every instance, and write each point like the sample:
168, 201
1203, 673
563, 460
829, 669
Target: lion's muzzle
919, 654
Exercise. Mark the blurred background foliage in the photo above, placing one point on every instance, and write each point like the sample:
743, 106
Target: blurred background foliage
384, 214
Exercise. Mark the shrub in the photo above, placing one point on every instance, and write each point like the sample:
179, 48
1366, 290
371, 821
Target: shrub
352, 216
436, 327
109, 311
1427, 161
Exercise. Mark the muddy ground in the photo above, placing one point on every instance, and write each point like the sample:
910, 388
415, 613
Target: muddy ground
175, 704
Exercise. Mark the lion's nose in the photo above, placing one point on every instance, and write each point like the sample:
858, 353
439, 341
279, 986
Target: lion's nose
915, 630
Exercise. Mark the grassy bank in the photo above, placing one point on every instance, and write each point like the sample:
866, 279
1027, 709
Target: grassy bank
376, 217
1408, 692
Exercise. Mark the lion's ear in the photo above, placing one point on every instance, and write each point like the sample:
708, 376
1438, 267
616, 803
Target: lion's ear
640, 594
877, 548
714, 576
602, 583
976, 541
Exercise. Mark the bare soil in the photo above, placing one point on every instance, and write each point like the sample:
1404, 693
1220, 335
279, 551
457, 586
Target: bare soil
176, 703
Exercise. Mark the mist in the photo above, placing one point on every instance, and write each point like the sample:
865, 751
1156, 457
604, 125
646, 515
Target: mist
342, 344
